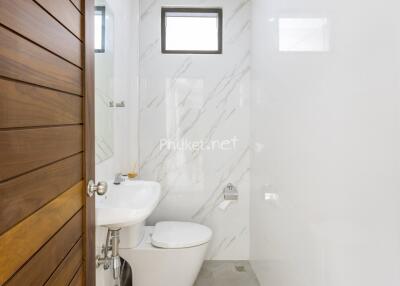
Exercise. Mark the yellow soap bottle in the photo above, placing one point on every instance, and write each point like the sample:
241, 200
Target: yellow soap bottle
132, 174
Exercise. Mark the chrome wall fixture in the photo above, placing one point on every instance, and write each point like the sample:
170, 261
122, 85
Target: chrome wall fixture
231, 193
116, 104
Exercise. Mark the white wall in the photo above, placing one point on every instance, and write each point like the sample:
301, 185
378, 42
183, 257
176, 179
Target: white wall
198, 97
326, 140
122, 34
120, 62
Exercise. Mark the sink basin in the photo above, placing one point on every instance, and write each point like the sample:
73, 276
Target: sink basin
127, 204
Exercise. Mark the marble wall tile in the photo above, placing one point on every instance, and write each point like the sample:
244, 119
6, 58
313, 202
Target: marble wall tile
198, 98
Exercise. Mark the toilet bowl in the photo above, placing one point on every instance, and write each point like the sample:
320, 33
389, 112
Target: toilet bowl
170, 253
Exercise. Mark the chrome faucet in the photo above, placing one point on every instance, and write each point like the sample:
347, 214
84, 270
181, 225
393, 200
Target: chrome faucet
118, 179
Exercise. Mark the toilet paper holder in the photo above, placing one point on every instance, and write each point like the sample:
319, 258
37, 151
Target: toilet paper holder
231, 193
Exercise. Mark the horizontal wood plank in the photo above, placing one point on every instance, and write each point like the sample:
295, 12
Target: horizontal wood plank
66, 270
30, 20
24, 105
22, 196
77, 4
24, 150
24, 61
65, 244
22, 241
65, 12
78, 278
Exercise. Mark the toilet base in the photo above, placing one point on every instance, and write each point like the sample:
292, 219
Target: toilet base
163, 267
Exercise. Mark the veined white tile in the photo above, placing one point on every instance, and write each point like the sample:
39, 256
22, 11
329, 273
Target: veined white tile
198, 98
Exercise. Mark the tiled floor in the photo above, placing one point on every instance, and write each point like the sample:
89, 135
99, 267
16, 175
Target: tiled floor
226, 273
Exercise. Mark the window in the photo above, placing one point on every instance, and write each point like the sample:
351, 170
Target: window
100, 29
191, 31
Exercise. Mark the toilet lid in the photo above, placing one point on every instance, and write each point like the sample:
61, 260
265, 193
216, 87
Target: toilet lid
174, 234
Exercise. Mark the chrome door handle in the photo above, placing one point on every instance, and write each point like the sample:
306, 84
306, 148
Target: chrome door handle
100, 188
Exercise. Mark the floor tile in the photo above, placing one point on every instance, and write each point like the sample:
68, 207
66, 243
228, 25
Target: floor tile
226, 273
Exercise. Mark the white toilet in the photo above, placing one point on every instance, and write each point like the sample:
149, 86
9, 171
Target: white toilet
170, 253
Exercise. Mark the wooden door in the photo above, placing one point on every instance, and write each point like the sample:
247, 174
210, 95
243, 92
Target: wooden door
46, 142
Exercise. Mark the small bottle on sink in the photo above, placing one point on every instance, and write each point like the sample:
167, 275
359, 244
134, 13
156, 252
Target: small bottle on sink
133, 173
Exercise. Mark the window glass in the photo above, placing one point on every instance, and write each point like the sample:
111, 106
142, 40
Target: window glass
99, 29
192, 30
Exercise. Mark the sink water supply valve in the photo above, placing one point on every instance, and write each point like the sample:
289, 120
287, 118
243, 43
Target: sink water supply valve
113, 260
231, 194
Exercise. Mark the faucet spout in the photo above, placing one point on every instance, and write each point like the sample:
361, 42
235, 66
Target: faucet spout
118, 179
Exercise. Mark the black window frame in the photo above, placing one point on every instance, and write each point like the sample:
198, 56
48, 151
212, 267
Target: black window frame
102, 10
165, 10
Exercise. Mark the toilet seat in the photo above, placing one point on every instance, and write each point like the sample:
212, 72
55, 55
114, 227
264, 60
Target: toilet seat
174, 234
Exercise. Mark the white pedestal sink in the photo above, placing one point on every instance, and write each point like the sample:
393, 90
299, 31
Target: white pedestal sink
123, 211
127, 204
